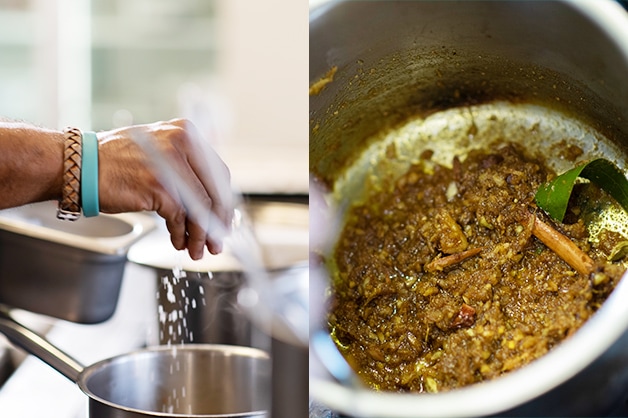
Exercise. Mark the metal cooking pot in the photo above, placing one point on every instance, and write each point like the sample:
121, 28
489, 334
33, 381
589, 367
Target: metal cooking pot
199, 380
208, 310
79, 266
557, 65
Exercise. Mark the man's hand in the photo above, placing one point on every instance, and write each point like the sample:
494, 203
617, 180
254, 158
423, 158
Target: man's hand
129, 180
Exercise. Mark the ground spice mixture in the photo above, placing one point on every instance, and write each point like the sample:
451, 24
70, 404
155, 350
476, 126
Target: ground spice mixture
440, 282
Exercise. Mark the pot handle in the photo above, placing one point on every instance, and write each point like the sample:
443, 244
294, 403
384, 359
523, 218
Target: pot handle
38, 346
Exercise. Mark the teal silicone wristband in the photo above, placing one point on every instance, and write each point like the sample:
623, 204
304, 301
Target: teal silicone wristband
89, 175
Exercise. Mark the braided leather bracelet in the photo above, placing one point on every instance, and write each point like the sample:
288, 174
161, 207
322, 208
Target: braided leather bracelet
69, 205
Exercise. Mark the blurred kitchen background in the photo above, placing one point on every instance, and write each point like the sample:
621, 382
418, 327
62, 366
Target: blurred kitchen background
236, 68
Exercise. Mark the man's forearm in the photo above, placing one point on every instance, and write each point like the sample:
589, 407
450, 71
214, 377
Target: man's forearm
31, 164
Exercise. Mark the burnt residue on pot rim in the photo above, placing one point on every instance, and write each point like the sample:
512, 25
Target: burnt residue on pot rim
383, 87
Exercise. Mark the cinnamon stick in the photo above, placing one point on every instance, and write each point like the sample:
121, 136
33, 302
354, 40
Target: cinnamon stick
563, 247
441, 263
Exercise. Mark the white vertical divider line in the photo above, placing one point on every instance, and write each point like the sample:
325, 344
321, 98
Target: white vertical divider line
45, 61
74, 63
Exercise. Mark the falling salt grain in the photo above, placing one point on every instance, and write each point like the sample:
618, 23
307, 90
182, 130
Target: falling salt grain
172, 316
162, 314
170, 294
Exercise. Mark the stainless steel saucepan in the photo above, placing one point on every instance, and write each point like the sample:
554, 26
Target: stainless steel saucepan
197, 380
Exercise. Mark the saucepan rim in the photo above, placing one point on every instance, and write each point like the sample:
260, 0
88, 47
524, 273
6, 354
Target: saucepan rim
233, 350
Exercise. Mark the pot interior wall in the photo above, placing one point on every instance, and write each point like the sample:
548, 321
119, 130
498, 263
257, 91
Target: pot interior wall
401, 59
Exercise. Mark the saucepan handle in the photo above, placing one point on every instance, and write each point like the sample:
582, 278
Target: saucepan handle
38, 346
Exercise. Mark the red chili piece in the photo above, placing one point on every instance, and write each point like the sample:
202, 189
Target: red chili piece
465, 318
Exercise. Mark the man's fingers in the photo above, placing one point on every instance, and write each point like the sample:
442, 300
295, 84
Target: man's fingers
192, 229
195, 240
175, 223
214, 247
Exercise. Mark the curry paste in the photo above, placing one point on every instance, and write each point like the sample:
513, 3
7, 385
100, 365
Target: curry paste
406, 321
